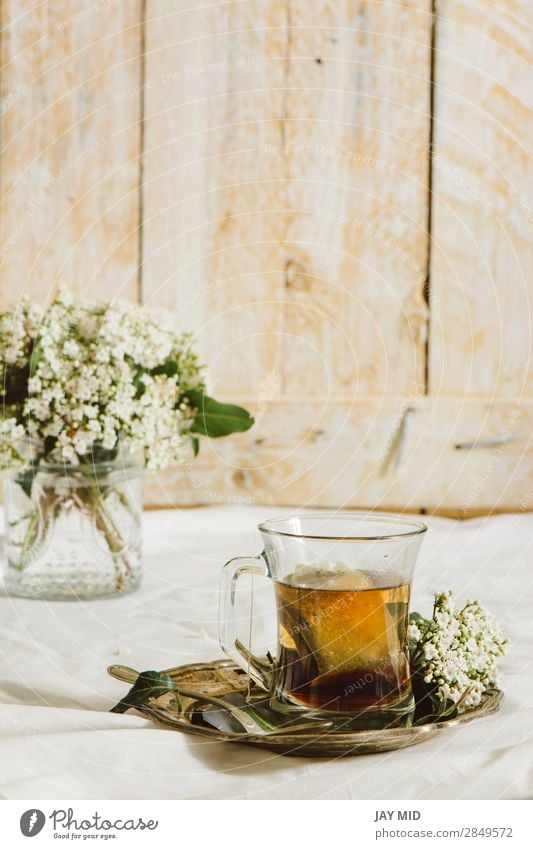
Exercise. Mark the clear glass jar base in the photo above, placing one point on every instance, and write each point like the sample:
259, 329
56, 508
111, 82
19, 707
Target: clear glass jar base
74, 532
82, 584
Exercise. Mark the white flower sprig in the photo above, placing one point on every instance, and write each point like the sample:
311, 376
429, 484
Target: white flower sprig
455, 652
81, 376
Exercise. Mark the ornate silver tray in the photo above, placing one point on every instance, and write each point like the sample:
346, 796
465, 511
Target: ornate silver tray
222, 678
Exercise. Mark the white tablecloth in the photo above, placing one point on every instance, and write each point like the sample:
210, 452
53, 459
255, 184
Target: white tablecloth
58, 740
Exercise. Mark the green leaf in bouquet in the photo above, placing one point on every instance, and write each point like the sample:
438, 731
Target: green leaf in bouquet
412, 647
149, 685
417, 619
169, 369
98, 454
420, 621
14, 388
138, 372
214, 419
25, 480
36, 356
49, 445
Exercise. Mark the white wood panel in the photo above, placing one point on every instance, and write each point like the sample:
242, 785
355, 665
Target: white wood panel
285, 191
356, 129
327, 455
481, 326
284, 208
70, 139
213, 216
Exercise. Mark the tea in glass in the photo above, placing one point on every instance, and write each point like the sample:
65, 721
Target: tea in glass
342, 641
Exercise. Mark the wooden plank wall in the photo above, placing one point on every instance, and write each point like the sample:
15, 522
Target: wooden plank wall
356, 272
483, 198
70, 147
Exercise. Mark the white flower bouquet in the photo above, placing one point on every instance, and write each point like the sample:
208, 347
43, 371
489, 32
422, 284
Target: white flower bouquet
85, 386
453, 656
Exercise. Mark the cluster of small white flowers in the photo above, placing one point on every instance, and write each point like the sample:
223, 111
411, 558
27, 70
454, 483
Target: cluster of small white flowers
17, 327
128, 331
459, 648
99, 373
11, 434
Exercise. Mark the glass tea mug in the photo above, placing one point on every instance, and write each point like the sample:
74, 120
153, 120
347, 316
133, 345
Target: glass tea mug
342, 583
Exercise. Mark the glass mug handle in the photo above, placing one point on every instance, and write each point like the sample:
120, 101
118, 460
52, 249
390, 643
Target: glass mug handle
259, 670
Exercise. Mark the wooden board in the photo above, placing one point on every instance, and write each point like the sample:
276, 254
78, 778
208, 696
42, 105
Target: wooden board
213, 202
481, 328
356, 119
70, 135
285, 194
349, 455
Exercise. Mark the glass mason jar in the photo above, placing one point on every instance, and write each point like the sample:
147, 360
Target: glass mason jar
73, 532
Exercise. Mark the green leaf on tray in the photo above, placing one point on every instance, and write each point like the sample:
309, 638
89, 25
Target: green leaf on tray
441, 711
263, 717
149, 685
214, 419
